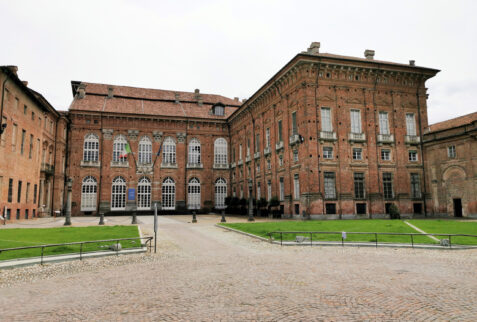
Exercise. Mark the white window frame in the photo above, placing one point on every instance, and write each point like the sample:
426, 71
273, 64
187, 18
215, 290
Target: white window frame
91, 148
145, 150
357, 154
413, 156
144, 194
411, 124
220, 151
282, 188
355, 117
267, 137
330, 185
169, 151
194, 155
193, 194
168, 194
328, 152
451, 152
119, 145
383, 123
296, 187
118, 194
388, 158
220, 193
269, 190
326, 124
89, 193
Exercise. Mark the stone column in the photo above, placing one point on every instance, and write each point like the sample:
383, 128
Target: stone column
69, 184
48, 201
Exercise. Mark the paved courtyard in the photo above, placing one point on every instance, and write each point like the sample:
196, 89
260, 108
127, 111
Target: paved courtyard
202, 272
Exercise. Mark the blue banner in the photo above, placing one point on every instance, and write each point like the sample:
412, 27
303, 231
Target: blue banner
131, 194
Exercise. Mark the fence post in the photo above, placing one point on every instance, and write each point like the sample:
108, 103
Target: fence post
311, 239
41, 262
342, 241
117, 247
281, 239
81, 251
450, 243
376, 235
412, 241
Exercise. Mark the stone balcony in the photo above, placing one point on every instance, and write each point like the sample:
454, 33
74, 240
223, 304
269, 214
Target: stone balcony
412, 139
357, 137
119, 164
168, 165
240, 162
232, 165
194, 166
385, 138
220, 166
256, 155
294, 139
328, 136
267, 151
279, 145
47, 168
248, 159
90, 164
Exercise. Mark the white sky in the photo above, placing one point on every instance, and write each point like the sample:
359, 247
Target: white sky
233, 47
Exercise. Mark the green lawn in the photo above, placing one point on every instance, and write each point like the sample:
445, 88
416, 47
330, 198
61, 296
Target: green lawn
19, 237
449, 226
374, 225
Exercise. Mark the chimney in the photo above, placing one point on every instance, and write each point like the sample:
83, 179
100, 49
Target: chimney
236, 99
176, 98
13, 69
110, 92
25, 83
314, 48
244, 100
412, 63
81, 91
369, 54
197, 93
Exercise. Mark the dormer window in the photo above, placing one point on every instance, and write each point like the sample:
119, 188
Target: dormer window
218, 109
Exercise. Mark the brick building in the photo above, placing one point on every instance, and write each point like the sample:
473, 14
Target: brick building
32, 150
451, 166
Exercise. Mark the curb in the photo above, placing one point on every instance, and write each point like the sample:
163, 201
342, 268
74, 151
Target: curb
243, 233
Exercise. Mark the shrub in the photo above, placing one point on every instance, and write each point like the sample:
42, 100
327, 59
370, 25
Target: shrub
394, 212
262, 203
274, 202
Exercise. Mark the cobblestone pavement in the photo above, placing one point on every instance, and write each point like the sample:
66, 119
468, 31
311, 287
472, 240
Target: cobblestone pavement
202, 272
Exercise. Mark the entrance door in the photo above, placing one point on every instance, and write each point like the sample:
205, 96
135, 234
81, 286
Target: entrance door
457, 207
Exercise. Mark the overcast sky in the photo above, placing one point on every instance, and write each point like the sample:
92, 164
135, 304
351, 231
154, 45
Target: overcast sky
233, 47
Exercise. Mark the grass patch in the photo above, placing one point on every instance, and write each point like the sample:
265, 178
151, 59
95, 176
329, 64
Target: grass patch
19, 237
373, 225
449, 226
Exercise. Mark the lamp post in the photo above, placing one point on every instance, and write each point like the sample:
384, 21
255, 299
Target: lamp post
101, 218
250, 201
69, 186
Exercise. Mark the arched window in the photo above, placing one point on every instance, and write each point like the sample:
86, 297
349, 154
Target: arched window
145, 150
220, 193
194, 151
144, 194
169, 147
88, 194
168, 194
220, 151
118, 194
193, 194
91, 148
119, 147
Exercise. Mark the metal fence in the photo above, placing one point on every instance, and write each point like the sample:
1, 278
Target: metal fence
412, 236
147, 243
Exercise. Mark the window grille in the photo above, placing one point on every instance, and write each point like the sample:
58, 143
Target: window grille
194, 152
145, 150
220, 151
119, 145
168, 194
193, 194
169, 148
356, 121
118, 194
359, 185
88, 194
388, 185
144, 194
330, 186
220, 193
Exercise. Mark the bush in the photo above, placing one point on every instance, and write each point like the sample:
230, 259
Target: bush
274, 202
394, 212
262, 203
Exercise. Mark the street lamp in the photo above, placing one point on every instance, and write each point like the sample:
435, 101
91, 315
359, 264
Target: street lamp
69, 186
250, 201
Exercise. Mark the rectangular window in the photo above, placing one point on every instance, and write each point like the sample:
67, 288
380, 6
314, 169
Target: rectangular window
295, 156
415, 185
357, 154
31, 147
330, 186
267, 137
32, 116
257, 142
25, 108
35, 187
14, 137
355, 121
4, 121
451, 152
258, 167
413, 156
27, 194
10, 190
327, 152
280, 160
410, 124
359, 185
248, 147
269, 164
326, 124
330, 208
388, 185
361, 208
385, 154
16, 103
259, 192
296, 187
282, 189
294, 126
269, 190
19, 195
22, 146
383, 123
240, 152
280, 138
233, 154
38, 148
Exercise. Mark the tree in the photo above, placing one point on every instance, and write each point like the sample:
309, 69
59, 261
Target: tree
394, 212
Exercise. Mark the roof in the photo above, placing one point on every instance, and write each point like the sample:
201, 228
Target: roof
146, 101
455, 122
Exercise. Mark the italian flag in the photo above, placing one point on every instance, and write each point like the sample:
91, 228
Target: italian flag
126, 151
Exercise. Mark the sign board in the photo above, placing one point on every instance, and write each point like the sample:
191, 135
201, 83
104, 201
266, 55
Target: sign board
131, 194
343, 235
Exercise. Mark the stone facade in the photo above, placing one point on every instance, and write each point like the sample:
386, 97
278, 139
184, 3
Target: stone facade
451, 166
32, 149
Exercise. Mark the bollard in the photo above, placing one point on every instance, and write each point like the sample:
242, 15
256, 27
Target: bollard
223, 216
101, 218
134, 219
194, 220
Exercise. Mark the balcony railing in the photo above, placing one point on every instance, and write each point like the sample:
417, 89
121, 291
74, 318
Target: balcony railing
294, 138
47, 168
412, 139
328, 136
279, 145
248, 158
267, 151
357, 137
93, 164
256, 155
240, 162
168, 165
119, 164
221, 166
232, 165
194, 166
385, 138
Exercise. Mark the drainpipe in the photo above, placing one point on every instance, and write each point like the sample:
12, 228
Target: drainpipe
421, 145
54, 167
1, 110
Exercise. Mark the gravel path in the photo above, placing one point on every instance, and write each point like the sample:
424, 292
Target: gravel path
202, 272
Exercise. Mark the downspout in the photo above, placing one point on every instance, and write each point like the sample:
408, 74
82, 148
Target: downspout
66, 161
101, 159
251, 154
377, 153
338, 197
1, 109
54, 166
317, 128
421, 145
